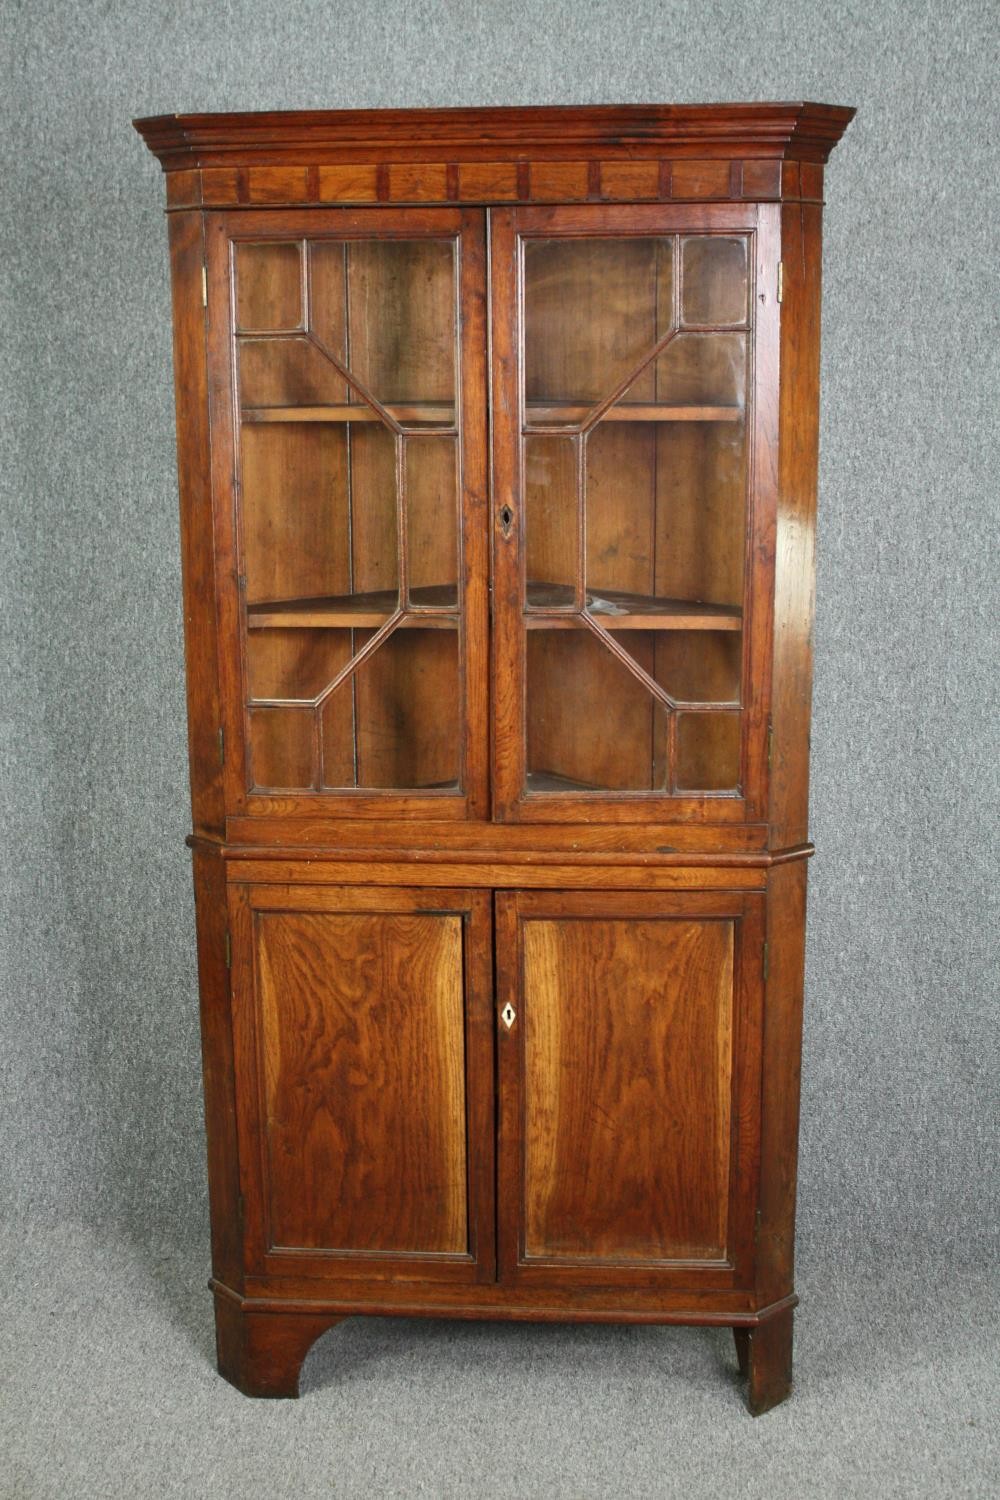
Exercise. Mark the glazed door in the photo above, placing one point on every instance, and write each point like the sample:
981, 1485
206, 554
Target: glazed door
364, 1023
624, 404
349, 413
629, 1065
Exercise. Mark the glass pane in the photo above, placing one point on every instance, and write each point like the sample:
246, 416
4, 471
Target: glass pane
393, 722
318, 511
346, 525
593, 309
282, 749
286, 373
295, 663
550, 503
703, 369
621, 508
715, 280
327, 261
397, 722
432, 520
665, 505
708, 752
591, 726
374, 534
268, 286
691, 666
701, 511
699, 666
400, 299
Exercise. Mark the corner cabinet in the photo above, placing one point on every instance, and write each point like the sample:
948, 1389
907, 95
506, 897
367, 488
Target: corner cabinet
497, 444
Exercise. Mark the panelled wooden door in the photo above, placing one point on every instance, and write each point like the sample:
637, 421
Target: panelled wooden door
629, 1067
348, 396
364, 1018
626, 397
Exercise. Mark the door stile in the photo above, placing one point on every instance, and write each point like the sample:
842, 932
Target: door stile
748, 1032
510, 1086
480, 1069
507, 518
474, 491
246, 1051
762, 506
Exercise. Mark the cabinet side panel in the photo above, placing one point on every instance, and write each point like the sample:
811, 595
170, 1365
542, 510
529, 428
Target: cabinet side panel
782, 1066
197, 552
218, 1068
794, 584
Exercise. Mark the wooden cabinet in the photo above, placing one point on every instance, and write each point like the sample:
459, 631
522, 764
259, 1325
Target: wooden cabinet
497, 452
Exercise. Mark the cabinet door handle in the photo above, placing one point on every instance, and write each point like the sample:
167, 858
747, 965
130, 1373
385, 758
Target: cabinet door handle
508, 1015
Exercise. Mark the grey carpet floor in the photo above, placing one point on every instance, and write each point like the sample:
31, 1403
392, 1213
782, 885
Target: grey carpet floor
108, 1389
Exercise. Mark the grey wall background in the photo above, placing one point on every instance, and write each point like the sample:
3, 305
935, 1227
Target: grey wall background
100, 1080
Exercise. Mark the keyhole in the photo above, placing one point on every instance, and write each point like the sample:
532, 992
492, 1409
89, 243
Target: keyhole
506, 518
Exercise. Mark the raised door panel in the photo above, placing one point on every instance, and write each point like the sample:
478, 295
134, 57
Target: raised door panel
630, 1097
365, 1020
629, 1104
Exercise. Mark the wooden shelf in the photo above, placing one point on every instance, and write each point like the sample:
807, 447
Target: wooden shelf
432, 787
548, 609
357, 611
621, 611
424, 416
563, 413
551, 781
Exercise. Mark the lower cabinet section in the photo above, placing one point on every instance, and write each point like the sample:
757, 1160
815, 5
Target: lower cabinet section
623, 1030
521, 1104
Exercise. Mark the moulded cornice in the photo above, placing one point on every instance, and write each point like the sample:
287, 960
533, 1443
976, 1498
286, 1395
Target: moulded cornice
794, 131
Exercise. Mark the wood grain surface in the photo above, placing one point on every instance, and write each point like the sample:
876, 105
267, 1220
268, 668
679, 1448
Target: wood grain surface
362, 1037
628, 1076
577, 786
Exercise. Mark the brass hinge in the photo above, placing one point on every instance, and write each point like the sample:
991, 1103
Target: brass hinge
222, 746
229, 951
766, 961
204, 286
756, 1229
781, 279
770, 742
